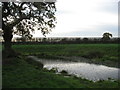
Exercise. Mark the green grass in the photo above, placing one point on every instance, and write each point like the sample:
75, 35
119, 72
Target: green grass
100, 52
17, 73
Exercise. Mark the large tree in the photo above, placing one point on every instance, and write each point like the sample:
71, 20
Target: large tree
23, 18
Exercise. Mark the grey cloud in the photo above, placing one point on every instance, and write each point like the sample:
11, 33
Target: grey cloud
93, 33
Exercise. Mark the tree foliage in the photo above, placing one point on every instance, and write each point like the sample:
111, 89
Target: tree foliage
107, 36
22, 18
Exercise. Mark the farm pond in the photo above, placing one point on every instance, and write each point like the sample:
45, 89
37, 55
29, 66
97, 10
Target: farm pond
93, 72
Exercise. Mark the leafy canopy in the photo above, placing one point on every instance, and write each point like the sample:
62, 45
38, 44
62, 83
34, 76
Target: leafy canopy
23, 18
106, 36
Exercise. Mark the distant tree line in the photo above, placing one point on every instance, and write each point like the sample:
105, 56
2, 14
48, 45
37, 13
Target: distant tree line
107, 38
65, 40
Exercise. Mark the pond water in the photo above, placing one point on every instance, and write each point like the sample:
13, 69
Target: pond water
81, 69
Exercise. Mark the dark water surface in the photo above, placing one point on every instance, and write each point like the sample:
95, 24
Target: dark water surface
88, 71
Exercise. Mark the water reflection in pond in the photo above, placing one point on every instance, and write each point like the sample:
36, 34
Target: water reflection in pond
85, 70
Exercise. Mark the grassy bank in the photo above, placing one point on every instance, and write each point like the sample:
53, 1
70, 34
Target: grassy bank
17, 73
95, 52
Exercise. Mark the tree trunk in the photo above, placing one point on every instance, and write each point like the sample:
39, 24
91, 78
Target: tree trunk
7, 41
7, 37
8, 51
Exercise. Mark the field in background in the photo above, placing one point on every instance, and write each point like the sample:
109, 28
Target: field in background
100, 52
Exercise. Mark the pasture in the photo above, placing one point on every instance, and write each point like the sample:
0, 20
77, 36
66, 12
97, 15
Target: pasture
18, 73
94, 52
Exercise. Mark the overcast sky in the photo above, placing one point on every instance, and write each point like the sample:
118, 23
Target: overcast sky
85, 18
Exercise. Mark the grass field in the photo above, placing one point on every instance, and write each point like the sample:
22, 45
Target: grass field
95, 52
17, 73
